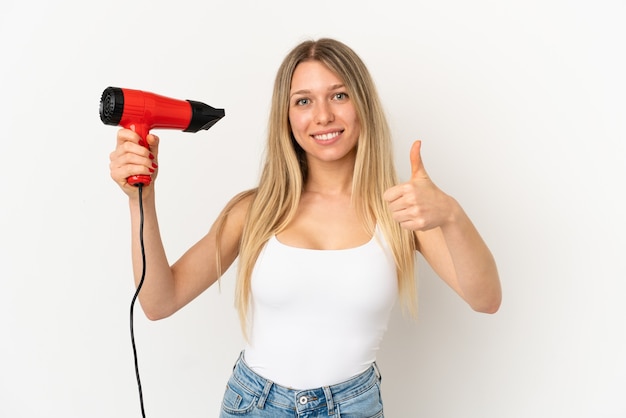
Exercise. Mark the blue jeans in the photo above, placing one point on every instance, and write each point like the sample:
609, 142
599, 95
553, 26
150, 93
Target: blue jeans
250, 395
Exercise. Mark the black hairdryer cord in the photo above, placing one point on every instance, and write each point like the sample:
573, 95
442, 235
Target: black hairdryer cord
132, 304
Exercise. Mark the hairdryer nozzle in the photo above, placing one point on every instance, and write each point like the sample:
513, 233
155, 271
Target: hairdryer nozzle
203, 116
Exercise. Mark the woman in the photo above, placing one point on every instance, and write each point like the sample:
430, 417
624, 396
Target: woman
325, 243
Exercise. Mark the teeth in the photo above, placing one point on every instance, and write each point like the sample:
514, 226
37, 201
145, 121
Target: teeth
326, 137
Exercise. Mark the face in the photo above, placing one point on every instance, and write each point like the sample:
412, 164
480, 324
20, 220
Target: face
322, 115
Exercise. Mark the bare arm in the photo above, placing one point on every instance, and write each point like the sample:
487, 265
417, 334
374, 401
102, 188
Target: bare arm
167, 288
447, 238
458, 255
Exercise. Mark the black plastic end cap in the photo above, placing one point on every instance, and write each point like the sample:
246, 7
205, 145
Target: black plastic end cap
112, 105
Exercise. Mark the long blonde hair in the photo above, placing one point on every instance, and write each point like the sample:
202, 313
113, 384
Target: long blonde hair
284, 172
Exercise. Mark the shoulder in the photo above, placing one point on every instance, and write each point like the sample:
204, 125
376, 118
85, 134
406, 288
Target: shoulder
241, 202
237, 208
229, 225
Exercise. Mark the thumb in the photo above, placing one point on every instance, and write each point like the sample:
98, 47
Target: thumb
417, 166
153, 143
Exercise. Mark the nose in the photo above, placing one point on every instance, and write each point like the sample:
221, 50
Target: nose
324, 113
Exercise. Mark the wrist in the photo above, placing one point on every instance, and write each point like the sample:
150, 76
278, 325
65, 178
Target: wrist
454, 211
147, 195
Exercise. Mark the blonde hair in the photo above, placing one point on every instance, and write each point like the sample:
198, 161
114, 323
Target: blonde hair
284, 172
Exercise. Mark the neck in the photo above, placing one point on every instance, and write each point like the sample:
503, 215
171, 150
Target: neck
329, 178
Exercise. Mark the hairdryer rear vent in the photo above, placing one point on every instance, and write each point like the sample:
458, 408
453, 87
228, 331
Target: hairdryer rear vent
112, 106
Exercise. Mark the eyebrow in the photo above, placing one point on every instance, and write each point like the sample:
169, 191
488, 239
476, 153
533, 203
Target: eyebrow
306, 91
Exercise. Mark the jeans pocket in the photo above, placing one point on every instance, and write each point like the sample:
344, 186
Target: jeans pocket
368, 404
237, 400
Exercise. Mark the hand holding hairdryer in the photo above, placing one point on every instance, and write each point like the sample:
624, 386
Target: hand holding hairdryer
143, 111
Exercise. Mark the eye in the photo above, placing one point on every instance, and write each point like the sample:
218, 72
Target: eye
340, 96
302, 101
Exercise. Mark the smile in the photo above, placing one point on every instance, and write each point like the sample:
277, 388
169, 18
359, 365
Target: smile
327, 136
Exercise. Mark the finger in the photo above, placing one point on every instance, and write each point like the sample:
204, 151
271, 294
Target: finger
122, 172
398, 206
130, 158
153, 140
127, 135
128, 149
393, 193
417, 166
153, 145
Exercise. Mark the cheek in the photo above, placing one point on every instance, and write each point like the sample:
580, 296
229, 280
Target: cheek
297, 122
350, 116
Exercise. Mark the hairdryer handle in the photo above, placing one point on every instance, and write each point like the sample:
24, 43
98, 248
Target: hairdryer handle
142, 130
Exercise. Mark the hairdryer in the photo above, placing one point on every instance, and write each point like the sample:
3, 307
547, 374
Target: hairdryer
143, 111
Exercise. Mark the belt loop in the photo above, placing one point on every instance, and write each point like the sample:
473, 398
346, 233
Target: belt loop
239, 359
329, 400
264, 395
380, 376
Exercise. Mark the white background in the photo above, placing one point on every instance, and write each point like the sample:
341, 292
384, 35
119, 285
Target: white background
521, 107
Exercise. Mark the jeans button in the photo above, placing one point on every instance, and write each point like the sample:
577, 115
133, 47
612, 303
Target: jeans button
303, 400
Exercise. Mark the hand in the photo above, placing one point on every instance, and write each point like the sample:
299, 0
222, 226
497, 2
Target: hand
131, 157
418, 205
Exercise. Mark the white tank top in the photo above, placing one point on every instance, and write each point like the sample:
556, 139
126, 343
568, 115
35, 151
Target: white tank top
318, 316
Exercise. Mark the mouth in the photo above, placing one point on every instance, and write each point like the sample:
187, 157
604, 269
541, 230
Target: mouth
328, 136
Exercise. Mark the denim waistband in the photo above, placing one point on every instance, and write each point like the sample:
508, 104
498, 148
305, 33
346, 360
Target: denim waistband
307, 399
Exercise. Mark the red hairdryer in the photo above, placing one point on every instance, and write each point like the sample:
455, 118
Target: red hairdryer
143, 111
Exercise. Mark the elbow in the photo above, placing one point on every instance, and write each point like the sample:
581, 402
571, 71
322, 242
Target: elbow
153, 316
488, 297
488, 309
155, 313
489, 305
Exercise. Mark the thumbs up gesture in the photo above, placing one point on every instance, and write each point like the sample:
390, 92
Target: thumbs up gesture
418, 204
